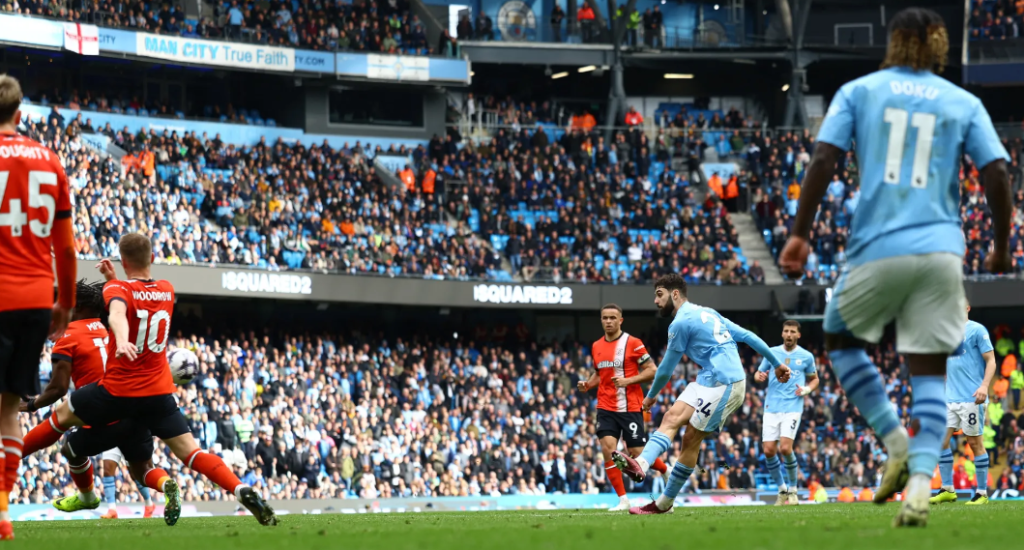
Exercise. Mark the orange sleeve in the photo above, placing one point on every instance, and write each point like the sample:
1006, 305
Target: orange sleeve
115, 290
64, 254
64, 349
63, 193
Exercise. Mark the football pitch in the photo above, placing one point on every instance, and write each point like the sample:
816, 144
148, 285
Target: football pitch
847, 526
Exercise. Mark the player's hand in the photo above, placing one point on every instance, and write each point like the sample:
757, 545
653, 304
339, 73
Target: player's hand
582, 386
999, 261
620, 382
760, 376
126, 349
58, 321
24, 406
648, 403
980, 396
106, 268
782, 373
794, 257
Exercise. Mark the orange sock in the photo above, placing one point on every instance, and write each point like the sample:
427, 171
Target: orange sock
83, 476
43, 435
12, 452
214, 469
614, 477
155, 479
659, 466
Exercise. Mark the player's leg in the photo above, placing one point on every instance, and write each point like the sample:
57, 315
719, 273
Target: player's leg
659, 442
791, 466
22, 335
81, 474
947, 493
634, 435
770, 436
865, 300
723, 401
110, 460
138, 470
929, 326
166, 422
609, 443
981, 464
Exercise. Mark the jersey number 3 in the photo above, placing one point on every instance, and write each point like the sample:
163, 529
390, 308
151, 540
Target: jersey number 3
925, 124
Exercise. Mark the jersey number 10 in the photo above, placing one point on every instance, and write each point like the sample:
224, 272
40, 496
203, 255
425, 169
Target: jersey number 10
925, 124
152, 326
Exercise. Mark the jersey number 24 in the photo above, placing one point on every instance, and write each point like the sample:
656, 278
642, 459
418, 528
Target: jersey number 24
721, 334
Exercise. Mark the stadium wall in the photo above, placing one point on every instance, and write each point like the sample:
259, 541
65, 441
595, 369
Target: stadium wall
239, 282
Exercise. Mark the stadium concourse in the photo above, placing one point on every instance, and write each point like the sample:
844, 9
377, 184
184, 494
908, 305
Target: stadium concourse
334, 415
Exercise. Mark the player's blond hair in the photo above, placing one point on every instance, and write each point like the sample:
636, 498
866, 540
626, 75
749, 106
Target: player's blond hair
136, 250
10, 97
917, 40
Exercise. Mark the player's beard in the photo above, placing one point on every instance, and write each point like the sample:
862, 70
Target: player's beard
667, 310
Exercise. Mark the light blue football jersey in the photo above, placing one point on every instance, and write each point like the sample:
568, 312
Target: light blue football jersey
709, 340
781, 397
965, 368
909, 129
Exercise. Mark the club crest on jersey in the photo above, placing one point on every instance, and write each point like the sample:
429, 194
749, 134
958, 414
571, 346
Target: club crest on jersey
799, 362
787, 360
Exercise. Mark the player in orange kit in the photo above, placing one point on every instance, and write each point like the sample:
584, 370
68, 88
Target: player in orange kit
35, 231
79, 357
621, 364
138, 386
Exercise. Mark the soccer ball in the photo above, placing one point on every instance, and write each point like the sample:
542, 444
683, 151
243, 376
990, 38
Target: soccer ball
184, 365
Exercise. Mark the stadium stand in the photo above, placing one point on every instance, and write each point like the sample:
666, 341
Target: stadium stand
387, 27
327, 415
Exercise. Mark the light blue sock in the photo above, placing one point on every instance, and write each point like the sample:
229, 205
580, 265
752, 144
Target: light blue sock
929, 412
109, 491
144, 491
775, 469
946, 467
676, 479
864, 388
658, 444
792, 470
981, 464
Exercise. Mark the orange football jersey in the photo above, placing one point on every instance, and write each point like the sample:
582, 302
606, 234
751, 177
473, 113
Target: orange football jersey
621, 357
150, 306
84, 345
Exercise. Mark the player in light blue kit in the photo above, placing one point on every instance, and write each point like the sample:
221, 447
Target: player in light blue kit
709, 340
910, 128
969, 373
783, 407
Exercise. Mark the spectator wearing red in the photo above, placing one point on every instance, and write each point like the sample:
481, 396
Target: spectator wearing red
586, 18
408, 178
633, 117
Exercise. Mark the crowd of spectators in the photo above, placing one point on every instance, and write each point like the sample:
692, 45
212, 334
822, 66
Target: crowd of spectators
340, 415
269, 206
995, 19
370, 26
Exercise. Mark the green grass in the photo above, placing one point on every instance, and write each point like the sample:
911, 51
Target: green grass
842, 526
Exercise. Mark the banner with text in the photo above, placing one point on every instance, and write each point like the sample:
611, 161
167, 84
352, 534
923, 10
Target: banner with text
208, 52
82, 39
398, 67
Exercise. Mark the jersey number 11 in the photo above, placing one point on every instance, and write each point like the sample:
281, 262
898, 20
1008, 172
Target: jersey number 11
925, 124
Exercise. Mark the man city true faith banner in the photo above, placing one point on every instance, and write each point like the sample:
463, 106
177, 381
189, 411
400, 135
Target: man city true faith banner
209, 52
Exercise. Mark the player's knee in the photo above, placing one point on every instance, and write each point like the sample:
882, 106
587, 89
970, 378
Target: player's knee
69, 454
770, 449
786, 448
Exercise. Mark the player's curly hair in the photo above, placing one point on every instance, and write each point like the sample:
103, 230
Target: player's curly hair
918, 40
89, 303
670, 282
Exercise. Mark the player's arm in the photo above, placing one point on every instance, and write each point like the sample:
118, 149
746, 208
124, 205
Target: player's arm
983, 145
60, 381
63, 237
810, 386
834, 137
741, 334
990, 371
590, 383
647, 369
119, 326
762, 371
664, 372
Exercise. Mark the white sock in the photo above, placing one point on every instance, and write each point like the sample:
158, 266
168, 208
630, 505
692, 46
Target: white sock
897, 442
111, 506
783, 488
949, 488
149, 501
644, 465
664, 503
624, 499
88, 497
5, 515
918, 488
238, 490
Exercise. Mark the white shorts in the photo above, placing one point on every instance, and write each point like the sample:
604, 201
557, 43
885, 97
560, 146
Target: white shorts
714, 405
924, 294
113, 455
968, 417
778, 425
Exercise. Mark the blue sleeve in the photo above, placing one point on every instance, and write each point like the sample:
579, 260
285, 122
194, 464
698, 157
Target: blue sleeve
741, 334
764, 366
983, 341
837, 128
665, 370
982, 143
811, 367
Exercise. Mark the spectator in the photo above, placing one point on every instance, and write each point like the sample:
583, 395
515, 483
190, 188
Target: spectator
586, 17
557, 16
